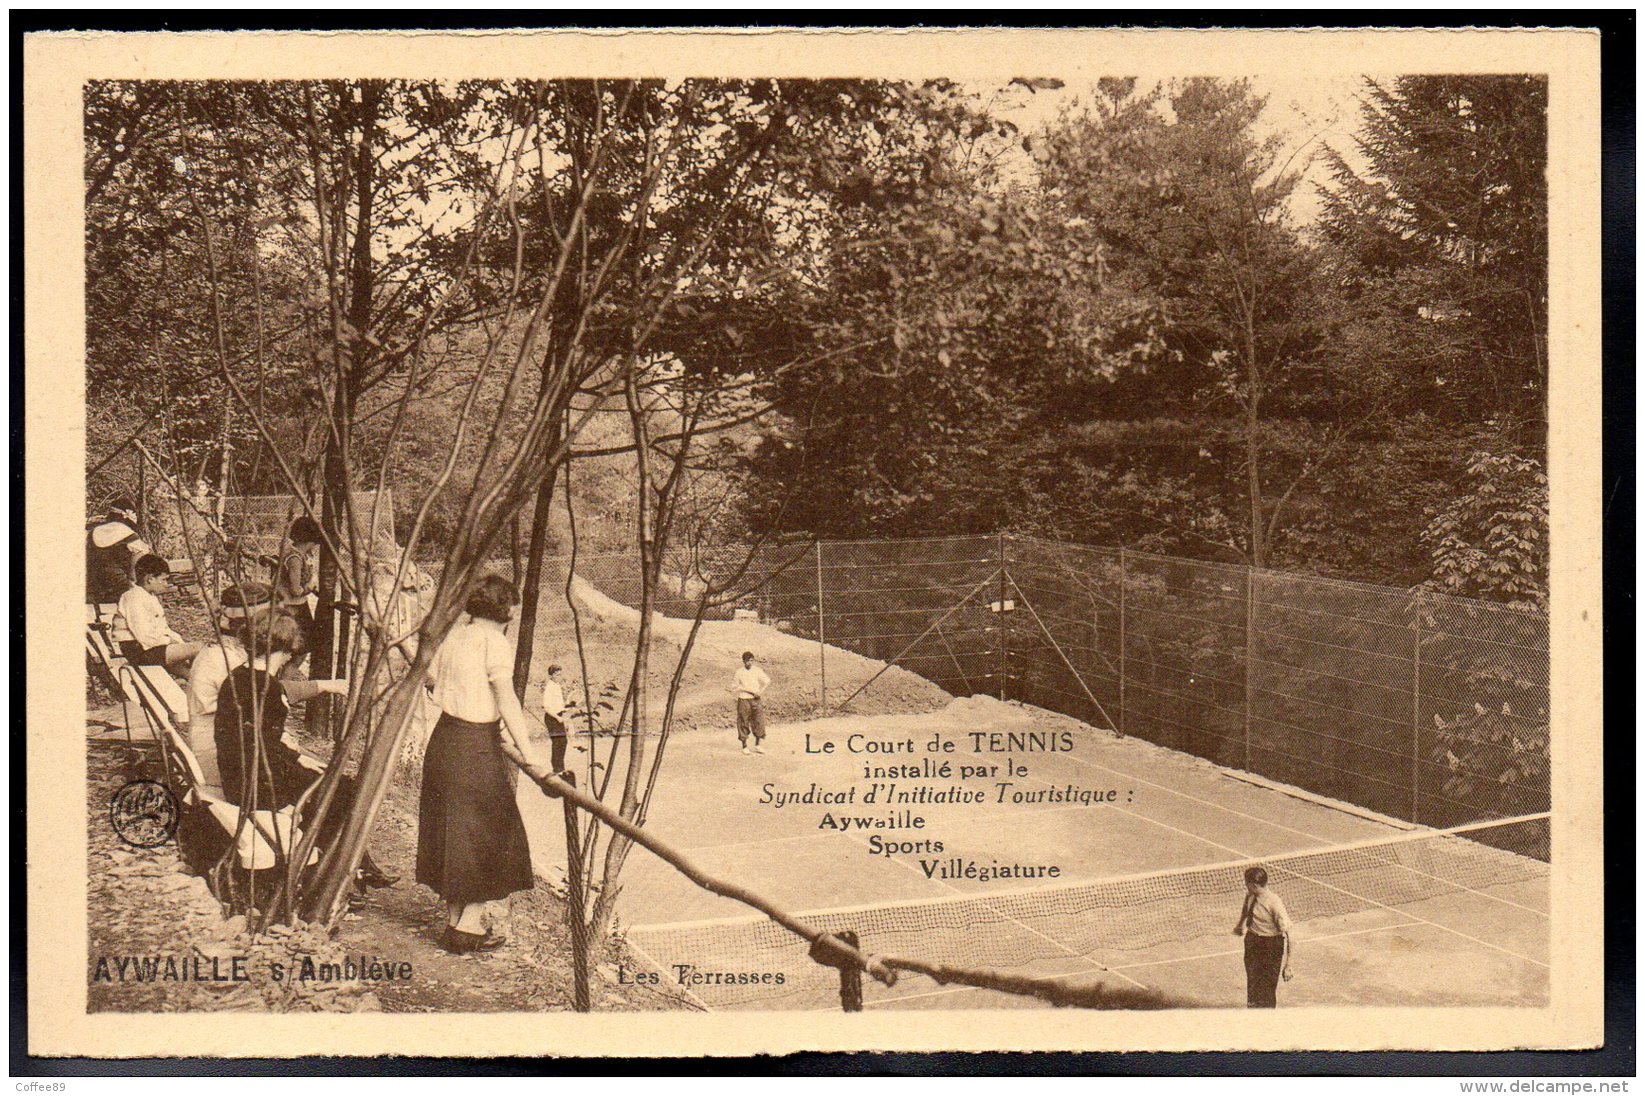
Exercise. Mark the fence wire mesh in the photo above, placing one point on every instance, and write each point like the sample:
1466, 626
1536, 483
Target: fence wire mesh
1423, 707
261, 521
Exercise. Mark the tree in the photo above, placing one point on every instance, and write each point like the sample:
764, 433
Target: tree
571, 244
1446, 228
963, 314
1437, 236
161, 159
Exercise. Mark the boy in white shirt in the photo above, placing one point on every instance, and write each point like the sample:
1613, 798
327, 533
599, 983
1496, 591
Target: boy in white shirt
749, 686
1266, 926
554, 702
140, 626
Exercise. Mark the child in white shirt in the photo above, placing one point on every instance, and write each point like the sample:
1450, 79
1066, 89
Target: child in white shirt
749, 687
140, 626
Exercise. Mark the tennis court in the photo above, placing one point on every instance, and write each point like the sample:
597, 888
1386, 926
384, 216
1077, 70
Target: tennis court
1148, 890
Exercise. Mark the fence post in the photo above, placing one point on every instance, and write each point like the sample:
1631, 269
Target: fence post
1416, 718
1004, 617
1124, 581
822, 638
1250, 650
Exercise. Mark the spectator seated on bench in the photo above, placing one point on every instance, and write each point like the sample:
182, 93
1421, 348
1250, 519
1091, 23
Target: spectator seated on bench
140, 628
257, 766
113, 542
242, 608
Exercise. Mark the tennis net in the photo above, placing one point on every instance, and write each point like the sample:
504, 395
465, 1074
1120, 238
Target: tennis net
744, 962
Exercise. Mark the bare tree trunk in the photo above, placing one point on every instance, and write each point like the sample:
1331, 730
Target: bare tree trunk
530, 601
334, 506
1253, 443
531, 587
1259, 546
617, 851
227, 451
351, 359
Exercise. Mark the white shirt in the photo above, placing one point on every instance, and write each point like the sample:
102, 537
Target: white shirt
142, 618
206, 675
751, 682
475, 656
553, 701
1268, 915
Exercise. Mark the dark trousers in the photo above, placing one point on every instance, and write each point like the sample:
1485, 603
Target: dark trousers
750, 719
305, 620
1263, 957
138, 655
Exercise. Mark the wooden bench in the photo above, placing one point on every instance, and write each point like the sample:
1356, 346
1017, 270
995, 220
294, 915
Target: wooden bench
164, 707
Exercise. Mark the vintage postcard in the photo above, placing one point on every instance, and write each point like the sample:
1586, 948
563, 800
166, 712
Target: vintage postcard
723, 543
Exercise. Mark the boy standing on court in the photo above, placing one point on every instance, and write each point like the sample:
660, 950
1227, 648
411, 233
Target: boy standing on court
554, 702
749, 686
1266, 926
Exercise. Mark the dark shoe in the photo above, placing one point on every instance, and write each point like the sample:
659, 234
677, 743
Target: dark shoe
372, 874
376, 877
461, 943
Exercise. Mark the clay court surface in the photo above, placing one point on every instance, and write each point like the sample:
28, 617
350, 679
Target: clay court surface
1459, 927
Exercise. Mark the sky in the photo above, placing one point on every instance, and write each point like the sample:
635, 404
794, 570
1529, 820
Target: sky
1308, 111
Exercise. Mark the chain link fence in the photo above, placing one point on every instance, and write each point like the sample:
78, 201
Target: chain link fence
260, 521
1423, 707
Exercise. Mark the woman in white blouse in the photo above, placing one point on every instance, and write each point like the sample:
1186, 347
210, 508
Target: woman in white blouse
243, 608
471, 843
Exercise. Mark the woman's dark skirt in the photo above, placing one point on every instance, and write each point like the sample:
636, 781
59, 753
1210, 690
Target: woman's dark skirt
471, 843
1264, 955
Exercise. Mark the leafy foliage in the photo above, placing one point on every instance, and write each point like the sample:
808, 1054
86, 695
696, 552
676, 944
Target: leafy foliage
1491, 540
1115, 334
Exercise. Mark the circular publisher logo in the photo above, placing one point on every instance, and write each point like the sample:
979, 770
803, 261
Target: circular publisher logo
144, 814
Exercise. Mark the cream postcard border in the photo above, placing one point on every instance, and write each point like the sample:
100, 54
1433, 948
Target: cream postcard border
55, 67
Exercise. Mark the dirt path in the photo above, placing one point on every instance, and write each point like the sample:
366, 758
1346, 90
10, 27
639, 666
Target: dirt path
796, 666
532, 973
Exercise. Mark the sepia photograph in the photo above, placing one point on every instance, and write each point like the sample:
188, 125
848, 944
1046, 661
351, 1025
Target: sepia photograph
1072, 542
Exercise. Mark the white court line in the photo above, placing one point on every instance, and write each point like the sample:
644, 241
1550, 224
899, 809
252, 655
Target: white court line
1241, 949
1181, 795
1074, 884
1349, 893
1290, 829
982, 900
982, 897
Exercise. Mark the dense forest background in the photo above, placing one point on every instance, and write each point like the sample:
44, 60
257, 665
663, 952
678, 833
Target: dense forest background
1110, 328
